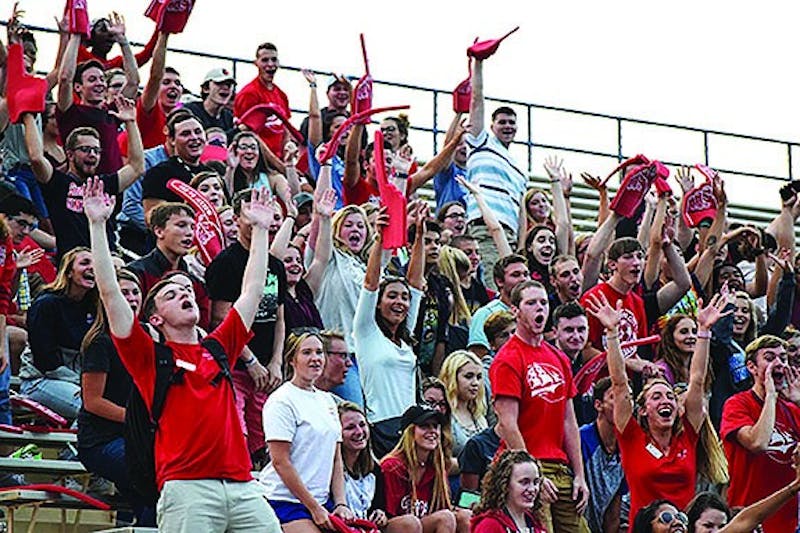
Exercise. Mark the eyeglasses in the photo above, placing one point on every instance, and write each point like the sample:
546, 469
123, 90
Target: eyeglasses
667, 517
302, 330
88, 149
442, 404
248, 147
388, 129
456, 215
24, 224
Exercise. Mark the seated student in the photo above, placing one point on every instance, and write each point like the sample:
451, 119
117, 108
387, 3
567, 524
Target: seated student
58, 319
105, 388
510, 496
201, 459
173, 226
415, 474
462, 375
338, 362
305, 479
476, 456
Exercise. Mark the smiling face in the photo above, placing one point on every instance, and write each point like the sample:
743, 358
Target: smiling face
469, 380
92, 88
733, 276
170, 91
308, 361
293, 264
353, 232
132, 294
339, 96
660, 406
543, 246
189, 140
229, 228
337, 362
741, 316
211, 188
455, 219
572, 334
177, 235
267, 63
504, 127
567, 279
427, 436
82, 272
685, 335
668, 520
355, 431
539, 207
523, 487
391, 133
220, 93
85, 156
247, 152
532, 311
394, 303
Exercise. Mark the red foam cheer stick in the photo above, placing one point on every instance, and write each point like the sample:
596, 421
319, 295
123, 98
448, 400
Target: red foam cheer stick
207, 228
485, 49
586, 375
394, 235
336, 140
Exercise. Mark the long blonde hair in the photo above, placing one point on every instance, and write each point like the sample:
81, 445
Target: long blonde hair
449, 376
451, 260
406, 451
336, 227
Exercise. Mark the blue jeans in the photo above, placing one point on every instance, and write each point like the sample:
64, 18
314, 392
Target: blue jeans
5, 403
350, 390
27, 186
62, 397
108, 461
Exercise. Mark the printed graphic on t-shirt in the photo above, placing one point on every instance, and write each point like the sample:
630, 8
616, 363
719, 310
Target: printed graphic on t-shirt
628, 331
273, 124
75, 198
780, 446
268, 306
430, 324
420, 506
545, 381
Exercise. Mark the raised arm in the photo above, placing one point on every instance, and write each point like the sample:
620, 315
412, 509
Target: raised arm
782, 227
555, 170
476, 104
63, 38
437, 163
151, 89
323, 209
98, 207
126, 113
681, 281
756, 438
372, 278
492, 224
116, 28
602, 193
706, 318
314, 115
650, 232
609, 319
258, 212
416, 265
42, 169
598, 244
352, 170
66, 73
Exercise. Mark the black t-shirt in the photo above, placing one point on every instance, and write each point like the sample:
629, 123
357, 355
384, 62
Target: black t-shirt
224, 121
154, 183
56, 326
224, 282
63, 195
478, 452
475, 296
102, 357
434, 314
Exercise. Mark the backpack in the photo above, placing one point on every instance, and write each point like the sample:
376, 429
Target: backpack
141, 425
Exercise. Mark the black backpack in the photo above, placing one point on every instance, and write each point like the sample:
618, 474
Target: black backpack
141, 425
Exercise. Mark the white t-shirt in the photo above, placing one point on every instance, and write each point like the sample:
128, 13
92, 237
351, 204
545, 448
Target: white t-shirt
387, 371
310, 421
337, 296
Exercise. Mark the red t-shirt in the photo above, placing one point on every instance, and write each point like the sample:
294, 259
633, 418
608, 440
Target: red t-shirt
199, 435
651, 474
397, 484
633, 322
8, 266
757, 475
151, 127
540, 378
44, 267
255, 93
361, 193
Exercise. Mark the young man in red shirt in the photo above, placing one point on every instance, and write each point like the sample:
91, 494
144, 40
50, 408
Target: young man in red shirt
262, 90
532, 389
760, 427
202, 464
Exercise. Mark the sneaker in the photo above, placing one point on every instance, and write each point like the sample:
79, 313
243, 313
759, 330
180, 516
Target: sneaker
29, 451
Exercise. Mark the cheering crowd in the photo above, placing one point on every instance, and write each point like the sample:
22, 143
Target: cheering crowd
317, 348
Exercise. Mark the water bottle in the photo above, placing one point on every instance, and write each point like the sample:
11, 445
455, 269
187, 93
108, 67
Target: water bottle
24, 291
740, 376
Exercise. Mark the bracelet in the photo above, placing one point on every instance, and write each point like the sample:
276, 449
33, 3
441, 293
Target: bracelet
402, 175
252, 361
340, 505
612, 337
313, 85
703, 334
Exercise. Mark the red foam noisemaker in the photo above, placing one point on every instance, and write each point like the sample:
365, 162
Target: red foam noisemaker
170, 16
484, 49
462, 95
333, 145
700, 204
207, 227
361, 100
24, 92
394, 235
77, 14
636, 183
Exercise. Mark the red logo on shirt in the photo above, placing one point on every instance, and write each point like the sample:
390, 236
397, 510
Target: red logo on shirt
75, 198
628, 331
780, 445
546, 382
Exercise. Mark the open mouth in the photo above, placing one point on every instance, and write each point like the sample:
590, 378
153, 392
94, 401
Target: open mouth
186, 243
187, 304
665, 411
173, 95
539, 319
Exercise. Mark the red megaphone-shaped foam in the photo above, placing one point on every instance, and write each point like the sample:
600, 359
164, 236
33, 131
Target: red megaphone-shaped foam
394, 235
336, 140
255, 118
485, 49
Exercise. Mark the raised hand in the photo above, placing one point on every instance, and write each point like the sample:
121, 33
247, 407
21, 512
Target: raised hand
325, 203
28, 257
97, 205
232, 160
126, 109
381, 221
595, 182
718, 186
791, 384
290, 153
422, 217
116, 26
260, 210
14, 29
554, 167
472, 188
309, 75
685, 178
599, 307
402, 160
784, 259
708, 316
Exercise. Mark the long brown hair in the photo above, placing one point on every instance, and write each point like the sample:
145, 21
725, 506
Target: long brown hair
406, 451
672, 355
365, 462
100, 324
495, 484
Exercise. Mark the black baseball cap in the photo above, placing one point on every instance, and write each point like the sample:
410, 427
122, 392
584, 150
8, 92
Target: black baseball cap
420, 414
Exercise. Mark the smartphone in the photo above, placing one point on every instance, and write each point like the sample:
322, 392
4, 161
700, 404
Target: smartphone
467, 499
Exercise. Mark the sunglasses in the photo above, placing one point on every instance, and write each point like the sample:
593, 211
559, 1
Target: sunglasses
667, 517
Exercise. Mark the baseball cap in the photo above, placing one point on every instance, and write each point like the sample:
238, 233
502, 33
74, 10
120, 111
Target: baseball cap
418, 415
303, 198
337, 78
218, 75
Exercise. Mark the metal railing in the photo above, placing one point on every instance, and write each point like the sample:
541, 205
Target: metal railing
537, 139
